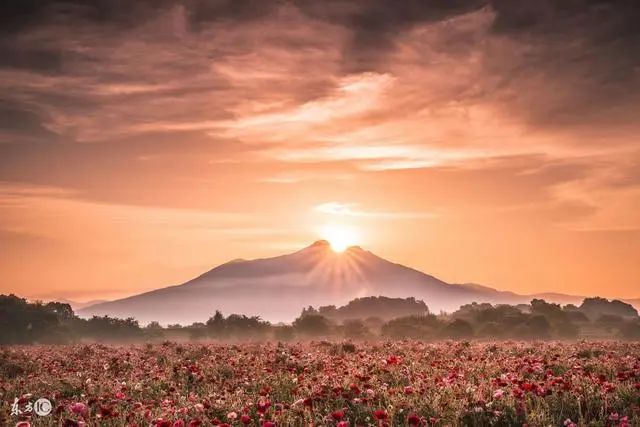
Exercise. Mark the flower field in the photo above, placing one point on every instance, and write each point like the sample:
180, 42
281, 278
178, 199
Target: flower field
322, 383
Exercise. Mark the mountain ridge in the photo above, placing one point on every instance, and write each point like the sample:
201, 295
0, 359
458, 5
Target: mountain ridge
278, 288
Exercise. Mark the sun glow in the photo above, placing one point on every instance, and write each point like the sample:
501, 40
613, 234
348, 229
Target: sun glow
340, 237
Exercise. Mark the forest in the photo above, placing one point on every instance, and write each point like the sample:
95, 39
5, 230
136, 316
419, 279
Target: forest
370, 318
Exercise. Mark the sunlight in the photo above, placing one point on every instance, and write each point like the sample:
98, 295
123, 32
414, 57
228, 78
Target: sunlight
340, 237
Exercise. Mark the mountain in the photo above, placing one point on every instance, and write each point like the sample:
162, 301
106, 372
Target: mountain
278, 288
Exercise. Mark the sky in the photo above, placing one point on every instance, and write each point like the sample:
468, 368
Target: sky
480, 141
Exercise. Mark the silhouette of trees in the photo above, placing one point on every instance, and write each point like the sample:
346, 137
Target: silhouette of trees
105, 328
595, 307
283, 332
361, 308
23, 322
631, 330
313, 325
458, 329
355, 329
236, 326
419, 327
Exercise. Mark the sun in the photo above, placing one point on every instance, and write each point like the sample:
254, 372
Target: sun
340, 237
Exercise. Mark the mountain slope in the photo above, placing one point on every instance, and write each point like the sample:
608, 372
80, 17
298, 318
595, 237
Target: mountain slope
278, 288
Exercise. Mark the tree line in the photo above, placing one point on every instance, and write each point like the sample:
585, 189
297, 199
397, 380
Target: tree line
23, 322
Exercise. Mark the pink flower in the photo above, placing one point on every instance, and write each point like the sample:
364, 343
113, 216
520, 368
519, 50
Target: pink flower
79, 408
263, 406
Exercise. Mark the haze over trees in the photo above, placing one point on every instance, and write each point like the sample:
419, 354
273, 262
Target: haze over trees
371, 318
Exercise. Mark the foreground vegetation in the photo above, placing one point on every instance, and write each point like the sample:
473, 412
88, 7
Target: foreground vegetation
321, 383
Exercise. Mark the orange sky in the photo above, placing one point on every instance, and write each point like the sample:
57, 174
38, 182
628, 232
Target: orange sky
485, 142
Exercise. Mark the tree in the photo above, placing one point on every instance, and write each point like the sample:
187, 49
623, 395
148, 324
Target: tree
216, 324
283, 333
154, 330
631, 330
355, 328
361, 308
312, 325
538, 326
458, 329
595, 307
419, 327
22, 322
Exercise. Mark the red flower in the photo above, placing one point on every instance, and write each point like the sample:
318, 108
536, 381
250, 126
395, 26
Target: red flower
393, 360
195, 423
268, 424
380, 414
337, 415
106, 411
263, 406
245, 419
413, 420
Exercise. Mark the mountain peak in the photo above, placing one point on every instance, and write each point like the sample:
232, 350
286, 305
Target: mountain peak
320, 244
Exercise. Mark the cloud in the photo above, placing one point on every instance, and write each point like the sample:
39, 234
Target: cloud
351, 209
487, 112
568, 64
20, 122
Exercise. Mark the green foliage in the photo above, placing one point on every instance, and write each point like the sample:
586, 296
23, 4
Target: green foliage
596, 307
421, 327
382, 307
458, 329
355, 329
236, 326
22, 322
313, 325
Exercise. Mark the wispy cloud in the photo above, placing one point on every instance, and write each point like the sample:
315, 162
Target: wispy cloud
352, 209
